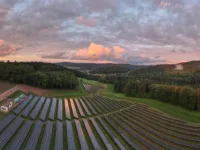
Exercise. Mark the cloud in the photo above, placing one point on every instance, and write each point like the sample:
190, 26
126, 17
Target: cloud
86, 21
99, 52
56, 55
164, 4
8, 49
118, 51
137, 26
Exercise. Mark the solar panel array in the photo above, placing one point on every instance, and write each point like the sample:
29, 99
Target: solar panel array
59, 136
7, 120
60, 109
81, 136
67, 109
45, 109
34, 137
37, 108
7, 134
45, 123
70, 136
53, 109
20, 137
29, 107
21, 106
46, 139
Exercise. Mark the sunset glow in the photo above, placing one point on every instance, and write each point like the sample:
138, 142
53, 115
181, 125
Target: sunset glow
128, 31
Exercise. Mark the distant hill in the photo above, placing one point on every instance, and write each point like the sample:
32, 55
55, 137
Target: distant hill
191, 66
94, 66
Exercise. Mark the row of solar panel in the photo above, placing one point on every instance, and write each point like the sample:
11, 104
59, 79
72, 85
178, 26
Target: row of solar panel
16, 132
39, 107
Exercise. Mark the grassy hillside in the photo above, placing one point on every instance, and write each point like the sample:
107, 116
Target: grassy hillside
169, 109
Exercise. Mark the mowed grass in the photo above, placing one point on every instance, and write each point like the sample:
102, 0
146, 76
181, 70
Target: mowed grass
4, 86
16, 94
80, 91
1, 117
172, 110
91, 82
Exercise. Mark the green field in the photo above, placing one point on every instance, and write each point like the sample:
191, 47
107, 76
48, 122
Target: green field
16, 94
172, 110
80, 91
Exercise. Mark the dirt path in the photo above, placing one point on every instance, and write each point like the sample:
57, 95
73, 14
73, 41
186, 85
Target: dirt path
23, 88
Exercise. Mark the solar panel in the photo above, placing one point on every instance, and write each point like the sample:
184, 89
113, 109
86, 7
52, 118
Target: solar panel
43, 114
85, 107
37, 108
29, 107
60, 108
101, 134
33, 140
90, 106
70, 136
119, 144
73, 108
9, 132
79, 108
53, 109
84, 145
6, 121
20, 137
59, 136
91, 135
124, 136
46, 139
21, 106
67, 110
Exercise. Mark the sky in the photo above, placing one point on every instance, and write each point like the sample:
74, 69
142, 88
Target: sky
140, 32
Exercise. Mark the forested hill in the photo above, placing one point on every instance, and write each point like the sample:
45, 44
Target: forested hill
192, 66
111, 70
43, 75
92, 66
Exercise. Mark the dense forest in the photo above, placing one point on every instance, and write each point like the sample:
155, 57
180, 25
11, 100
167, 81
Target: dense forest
43, 75
111, 70
93, 66
176, 84
178, 95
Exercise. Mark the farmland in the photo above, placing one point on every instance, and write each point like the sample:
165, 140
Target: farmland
93, 122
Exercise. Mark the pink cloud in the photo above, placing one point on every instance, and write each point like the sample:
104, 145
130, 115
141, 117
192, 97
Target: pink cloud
8, 49
118, 51
99, 52
164, 4
86, 21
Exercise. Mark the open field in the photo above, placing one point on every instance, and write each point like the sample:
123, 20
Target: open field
4, 86
16, 94
12, 89
169, 109
93, 122
68, 93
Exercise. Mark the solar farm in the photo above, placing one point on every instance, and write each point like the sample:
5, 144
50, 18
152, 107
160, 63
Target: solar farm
92, 122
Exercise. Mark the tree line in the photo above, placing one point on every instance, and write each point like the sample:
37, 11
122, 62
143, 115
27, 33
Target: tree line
43, 75
185, 96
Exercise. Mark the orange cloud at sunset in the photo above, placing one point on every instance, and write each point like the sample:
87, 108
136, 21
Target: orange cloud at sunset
99, 52
118, 51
